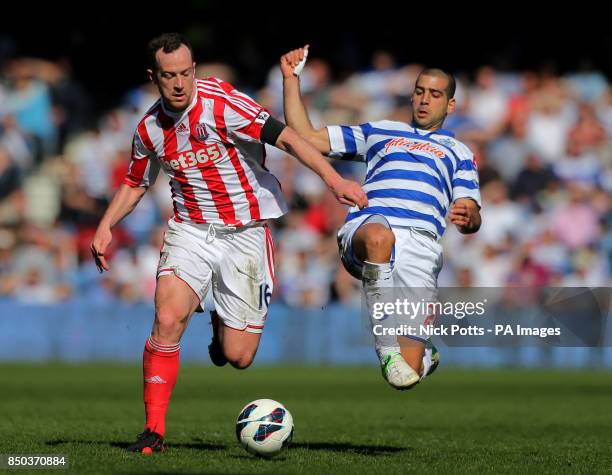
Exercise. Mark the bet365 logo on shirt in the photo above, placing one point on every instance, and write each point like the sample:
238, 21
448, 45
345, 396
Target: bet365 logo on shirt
192, 158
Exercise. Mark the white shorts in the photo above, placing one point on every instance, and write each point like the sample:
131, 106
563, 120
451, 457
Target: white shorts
239, 263
416, 261
416, 258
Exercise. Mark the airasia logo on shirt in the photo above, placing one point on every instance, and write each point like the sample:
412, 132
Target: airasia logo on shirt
412, 145
192, 158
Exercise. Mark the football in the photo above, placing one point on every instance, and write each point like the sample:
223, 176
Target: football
264, 427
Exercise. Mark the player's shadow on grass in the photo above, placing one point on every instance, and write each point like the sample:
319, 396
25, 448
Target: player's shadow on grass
339, 448
347, 448
123, 445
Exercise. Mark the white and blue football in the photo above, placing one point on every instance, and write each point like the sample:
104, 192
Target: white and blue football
264, 427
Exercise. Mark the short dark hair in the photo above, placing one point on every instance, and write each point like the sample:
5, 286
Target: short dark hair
167, 42
450, 87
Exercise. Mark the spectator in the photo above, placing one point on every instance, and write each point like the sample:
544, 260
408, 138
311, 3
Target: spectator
544, 153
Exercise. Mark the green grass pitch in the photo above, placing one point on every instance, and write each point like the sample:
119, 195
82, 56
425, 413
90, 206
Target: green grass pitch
347, 420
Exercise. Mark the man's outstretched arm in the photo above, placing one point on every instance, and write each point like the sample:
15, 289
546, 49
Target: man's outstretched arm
122, 204
346, 191
295, 112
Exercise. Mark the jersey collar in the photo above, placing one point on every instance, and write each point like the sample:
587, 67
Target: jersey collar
427, 133
176, 115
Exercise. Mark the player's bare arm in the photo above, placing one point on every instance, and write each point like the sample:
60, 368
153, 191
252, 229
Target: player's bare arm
465, 214
122, 204
295, 112
346, 191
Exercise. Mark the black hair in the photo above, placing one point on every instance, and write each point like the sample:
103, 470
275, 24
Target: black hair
450, 87
167, 42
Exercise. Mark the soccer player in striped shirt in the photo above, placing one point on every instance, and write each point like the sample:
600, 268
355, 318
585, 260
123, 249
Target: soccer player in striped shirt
417, 175
209, 139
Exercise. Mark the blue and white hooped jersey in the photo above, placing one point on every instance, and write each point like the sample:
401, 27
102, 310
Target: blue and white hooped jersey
413, 175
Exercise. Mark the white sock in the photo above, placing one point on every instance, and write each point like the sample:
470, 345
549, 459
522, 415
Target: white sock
376, 278
426, 362
374, 273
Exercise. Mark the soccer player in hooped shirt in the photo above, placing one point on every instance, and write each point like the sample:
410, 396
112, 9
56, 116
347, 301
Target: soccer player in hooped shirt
209, 139
416, 174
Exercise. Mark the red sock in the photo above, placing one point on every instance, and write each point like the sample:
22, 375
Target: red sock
160, 366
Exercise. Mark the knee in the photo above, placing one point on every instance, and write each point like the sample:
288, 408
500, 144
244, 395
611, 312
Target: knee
381, 238
241, 359
168, 322
375, 243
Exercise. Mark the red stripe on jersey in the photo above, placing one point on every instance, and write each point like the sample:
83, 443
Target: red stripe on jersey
219, 109
247, 102
252, 129
211, 176
230, 94
138, 166
245, 105
238, 96
144, 133
136, 172
233, 97
170, 147
247, 114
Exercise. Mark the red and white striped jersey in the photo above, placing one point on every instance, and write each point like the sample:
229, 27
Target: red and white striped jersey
213, 155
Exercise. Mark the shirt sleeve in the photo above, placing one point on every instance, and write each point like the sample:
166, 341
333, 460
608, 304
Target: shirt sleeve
348, 142
244, 118
144, 166
465, 180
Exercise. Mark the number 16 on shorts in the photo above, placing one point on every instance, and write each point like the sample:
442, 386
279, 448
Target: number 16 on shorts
265, 295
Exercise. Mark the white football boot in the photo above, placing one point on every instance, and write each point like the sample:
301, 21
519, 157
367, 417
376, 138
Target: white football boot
397, 372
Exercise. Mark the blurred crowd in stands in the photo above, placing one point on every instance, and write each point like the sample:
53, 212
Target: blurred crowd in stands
542, 142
